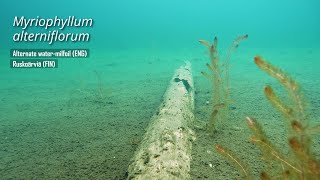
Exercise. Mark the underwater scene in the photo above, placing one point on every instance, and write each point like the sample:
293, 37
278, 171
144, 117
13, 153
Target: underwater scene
208, 89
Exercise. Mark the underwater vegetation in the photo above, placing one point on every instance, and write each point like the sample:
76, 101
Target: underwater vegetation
300, 163
99, 93
219, 76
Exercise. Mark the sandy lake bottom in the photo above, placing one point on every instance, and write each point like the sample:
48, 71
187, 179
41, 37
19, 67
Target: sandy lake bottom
87, 122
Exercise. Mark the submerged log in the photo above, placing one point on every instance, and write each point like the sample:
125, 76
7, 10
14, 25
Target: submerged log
165, 151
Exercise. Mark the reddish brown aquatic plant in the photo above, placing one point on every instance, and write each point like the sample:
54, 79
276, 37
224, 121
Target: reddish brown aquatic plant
300, 163
243, 168
219, 76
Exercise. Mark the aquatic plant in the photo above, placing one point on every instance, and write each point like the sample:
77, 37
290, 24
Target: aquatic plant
102, 93
100, 87
219, 76
228, 154
300, 163
97, 94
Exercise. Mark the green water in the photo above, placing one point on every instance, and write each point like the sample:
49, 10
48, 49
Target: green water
84, 118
